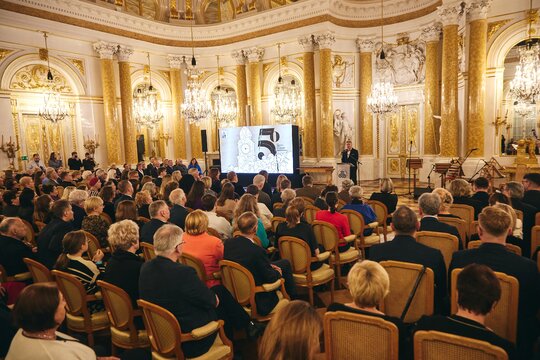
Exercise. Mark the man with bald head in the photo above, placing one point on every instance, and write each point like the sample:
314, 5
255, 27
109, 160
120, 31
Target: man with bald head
12, 249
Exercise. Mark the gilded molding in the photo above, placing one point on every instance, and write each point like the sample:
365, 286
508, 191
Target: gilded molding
4, 53
366, 117
255, 93
179, 124
110, 116
79, 64
493, 27
34, 78
16, 128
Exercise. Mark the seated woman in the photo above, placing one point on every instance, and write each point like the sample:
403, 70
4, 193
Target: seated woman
286, 197
478, 292
214, 178
124, 267
226, 202
127, 210
340, 221
358, 205
173, 185
292, 334
143, 201
194, 164
93, 223
151, 188
386, 197
194, 197
205, 247
248, 203
344, 193
446, 202
107, 194
320, 202
299, 229
87, 272
207, 180
462, 192
37, 337
369, 284
276, 194
42, 206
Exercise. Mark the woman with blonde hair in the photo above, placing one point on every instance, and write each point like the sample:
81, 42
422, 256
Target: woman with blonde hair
226, 202
248, 203
93, 222
446, 202
176, 175
68, 190
287, 195
208, 185
462, 192
292, 334
386, 196
143, 201
152, 189
164, 181
207, 248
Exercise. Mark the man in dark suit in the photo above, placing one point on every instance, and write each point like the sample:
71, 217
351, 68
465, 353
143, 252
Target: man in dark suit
493, 226
350, 156
66, 179
140, 170
244, 251
531, 184
162, 171
259, 181
13, 249
160, 214
177, 288
405, 248
151, 168
187, 181
178, 210
429, 205
49, 242
77, 199
125, 188
238, 188
307, 188
74, 163
515, 192
480, 188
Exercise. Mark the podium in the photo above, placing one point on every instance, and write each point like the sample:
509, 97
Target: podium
343, 171
413, 164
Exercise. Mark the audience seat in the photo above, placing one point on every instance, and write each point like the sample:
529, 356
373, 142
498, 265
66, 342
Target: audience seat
448, 244
349, 336
503, 319
402, 279
466, 213
510, 247
310, 212
460, 225
17, 277
429, 345
535, 238
143, 219
93, 244
382, 214
30, 233
166, 336
298, 253
106, 217
39, 272
147, 250
357, 224
196, 263
276, 220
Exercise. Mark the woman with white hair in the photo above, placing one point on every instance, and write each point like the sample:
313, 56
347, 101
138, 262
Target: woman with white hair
344, 193
77, 199
386, 196
286, 196
358, 205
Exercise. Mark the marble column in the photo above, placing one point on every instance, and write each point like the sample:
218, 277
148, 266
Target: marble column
112, 126
177, 97
195, 137
431, 34
325, 42
449, 16
254, 56
241, 87
366, 76
126, 97
474, 127
309, 125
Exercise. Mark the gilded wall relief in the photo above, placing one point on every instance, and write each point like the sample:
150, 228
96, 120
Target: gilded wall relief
34, 78
42, 137
402, 138
79, 64
342, 71
403, 64
4, 53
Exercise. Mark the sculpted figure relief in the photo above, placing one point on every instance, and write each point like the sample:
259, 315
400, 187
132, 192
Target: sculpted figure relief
403, 64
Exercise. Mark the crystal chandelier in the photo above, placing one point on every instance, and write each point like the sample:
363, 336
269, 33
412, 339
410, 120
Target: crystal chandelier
525, 87
223, 104
52, 109
146, 105
287, 98
195, 107
382, 99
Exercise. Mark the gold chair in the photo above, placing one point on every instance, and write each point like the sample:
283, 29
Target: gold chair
39, 272
106, 217
327, 235
148, 251
277, 205
276, 220
17, 277
357, 224
466, 213
78, 317
143, 219
120, 310
307, 200
196, 263
510, 247
349, 336
340, 204
166, 336
30, 236
430, 345
503, 318
298, 252
310, 212
402, 279
93, 244
239, 281
446, 243
382, 214
214, 232
535, 238
40, 225
537, 219
460, 225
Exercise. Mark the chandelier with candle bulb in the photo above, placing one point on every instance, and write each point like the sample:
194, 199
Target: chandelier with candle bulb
287, 98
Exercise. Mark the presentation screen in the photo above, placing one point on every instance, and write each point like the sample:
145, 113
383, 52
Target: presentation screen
250, 149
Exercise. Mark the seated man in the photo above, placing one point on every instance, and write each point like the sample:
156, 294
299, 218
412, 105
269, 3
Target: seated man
531, 184
516, 192
190, 301
13, 249
405, 248
218, 223
429, 205
478, 292
49, 242
480, 188
178, 210
244, 251
307, 188
259, 181
160, 214
493, 227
